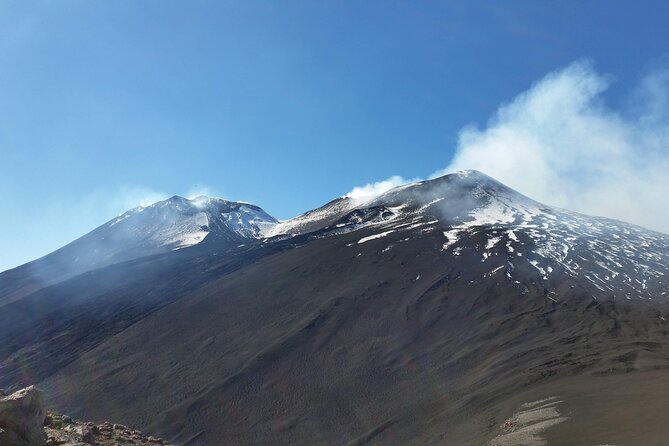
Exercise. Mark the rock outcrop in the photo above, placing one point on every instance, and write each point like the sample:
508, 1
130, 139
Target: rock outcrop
25, 422
62, 430
22, 418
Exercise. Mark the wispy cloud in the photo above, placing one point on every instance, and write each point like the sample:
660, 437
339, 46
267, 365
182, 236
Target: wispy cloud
132, 197
561, 144
199, 190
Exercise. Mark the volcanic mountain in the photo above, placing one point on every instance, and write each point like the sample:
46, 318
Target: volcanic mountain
450, 311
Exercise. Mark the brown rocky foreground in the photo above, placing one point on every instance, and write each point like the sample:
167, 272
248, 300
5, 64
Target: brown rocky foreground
25, 422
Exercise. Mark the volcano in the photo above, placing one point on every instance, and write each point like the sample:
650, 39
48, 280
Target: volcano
449, 311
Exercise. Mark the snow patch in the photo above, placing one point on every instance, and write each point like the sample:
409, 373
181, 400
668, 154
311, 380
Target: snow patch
375, 236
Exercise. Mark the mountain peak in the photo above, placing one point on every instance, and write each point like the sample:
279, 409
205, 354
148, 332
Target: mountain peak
181, 222
454, 195
199, 200
174, 223
466, 178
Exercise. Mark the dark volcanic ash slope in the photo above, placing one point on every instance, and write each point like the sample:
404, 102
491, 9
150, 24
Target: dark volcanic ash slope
428, 315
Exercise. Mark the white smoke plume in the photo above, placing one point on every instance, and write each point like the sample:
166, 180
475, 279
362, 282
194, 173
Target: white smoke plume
560, 144
371, 190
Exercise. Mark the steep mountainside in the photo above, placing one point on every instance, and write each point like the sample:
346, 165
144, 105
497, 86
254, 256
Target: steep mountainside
432, 314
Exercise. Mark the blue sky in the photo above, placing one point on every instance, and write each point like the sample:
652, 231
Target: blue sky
283, 104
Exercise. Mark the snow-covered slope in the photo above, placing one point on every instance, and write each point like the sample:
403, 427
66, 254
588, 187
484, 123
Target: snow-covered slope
452, 197
313, 220
478, 219
483, 219
615, 257
179, 222
165, 226
168, 225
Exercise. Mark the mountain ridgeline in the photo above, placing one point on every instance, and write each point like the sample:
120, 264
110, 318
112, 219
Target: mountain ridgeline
448, 311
